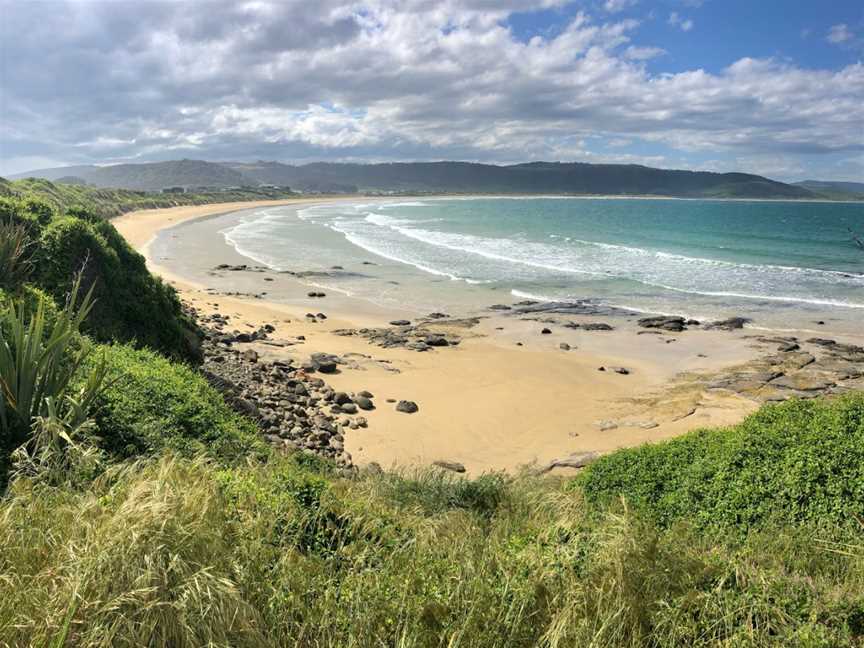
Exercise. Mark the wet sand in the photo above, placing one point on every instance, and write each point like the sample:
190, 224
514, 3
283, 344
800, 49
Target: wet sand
507, 396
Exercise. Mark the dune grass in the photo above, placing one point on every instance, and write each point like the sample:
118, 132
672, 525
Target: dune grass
181, 552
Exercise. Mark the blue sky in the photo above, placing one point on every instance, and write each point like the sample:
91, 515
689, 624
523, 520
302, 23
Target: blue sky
771, 87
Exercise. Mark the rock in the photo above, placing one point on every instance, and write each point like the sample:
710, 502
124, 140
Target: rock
400, 322
243, 337
786, 347
250, 355
340, 398
348, 408
366, 394
406, 406
666, 323
545, 331
246, 407
364, 402
804, 381
450, 465
564, 346
324, 362
624, 371
730, 324
500, 307
606, 425
437, 341
576, 460
597, 326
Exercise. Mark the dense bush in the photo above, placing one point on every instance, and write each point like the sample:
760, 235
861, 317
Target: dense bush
797, 461
180, 553
150, 403
131, 304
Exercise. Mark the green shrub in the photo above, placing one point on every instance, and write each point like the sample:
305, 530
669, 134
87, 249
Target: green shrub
39, 360
131, 304
800, 461
150, 403
182, 553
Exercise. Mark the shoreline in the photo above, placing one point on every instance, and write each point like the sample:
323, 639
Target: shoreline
501, 399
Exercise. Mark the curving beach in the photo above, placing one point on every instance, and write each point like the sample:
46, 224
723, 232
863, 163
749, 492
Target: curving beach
506, 397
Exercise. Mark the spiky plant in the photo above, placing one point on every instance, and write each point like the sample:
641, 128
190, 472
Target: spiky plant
15, 265
38, 360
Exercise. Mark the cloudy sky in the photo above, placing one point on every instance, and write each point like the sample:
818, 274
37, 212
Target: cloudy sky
766, 86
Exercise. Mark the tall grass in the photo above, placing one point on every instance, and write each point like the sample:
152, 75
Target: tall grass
15, 263
182, 553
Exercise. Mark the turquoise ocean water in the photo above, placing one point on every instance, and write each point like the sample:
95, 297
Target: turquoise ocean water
781, 263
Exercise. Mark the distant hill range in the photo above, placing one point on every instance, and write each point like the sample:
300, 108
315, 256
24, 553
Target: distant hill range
437, 177
838, 190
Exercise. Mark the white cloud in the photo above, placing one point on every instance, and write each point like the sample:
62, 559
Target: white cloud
614, 6
684, 24
643, 53
387, 79
840, 34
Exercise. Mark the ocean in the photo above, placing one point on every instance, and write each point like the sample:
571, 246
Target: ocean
783, 264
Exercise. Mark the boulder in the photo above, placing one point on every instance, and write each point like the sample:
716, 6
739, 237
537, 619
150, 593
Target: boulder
364, 402
666, 323
450, 465
407, 407
575, 460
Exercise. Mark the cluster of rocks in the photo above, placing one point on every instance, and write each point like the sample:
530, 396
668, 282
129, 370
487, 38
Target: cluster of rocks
293, 408
666, 323
827, 367
402, 334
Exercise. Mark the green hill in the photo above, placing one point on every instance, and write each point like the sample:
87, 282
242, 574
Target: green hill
435, 177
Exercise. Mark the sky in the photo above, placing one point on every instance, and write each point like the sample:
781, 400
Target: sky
774, 87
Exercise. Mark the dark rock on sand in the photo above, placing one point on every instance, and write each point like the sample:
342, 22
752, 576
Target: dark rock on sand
450, 465
406, 406
364, 403
666, 323
576, 460
730, 324
400, 322
545, 331
564, 346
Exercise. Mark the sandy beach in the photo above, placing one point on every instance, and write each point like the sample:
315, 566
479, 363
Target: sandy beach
506, 397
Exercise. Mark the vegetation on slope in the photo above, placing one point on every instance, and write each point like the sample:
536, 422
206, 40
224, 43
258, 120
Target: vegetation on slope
802, 461
150, 404
142, 511
107, 203
131, 305
173, 552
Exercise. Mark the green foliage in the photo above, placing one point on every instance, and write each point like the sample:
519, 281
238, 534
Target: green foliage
15, 265
177, 552
107, 203
131, 304
38, 361
150, 403
797, 461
